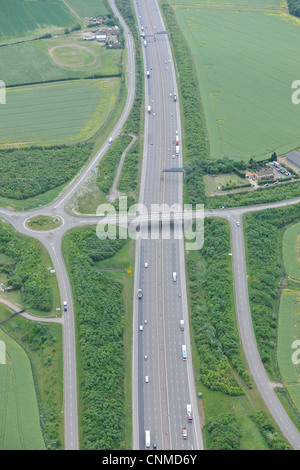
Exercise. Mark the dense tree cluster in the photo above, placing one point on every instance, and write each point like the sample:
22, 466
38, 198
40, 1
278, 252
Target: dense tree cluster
25, 269
135, 120
263, 242
223, 432
129, 177
273, 193
109, 163
216, 337
273, 438
27, 172
294, 7
101, 327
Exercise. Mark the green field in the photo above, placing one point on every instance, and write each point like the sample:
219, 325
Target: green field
88, 8
245, 88
66, 112
278, 4
289, 318
57, 59
213, 182
19, 414
291, 251
289, 315
32, 18
288, 332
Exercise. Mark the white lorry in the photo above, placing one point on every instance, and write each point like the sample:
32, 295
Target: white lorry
189, 413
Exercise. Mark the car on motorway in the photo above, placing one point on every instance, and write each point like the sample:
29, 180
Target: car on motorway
174, 275
181, 323
238, 224
140, 293
154, 445
65, 306
184, 433
141, 327
147, 379
146, 265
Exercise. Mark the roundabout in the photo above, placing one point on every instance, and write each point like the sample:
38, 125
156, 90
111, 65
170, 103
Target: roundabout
43, 223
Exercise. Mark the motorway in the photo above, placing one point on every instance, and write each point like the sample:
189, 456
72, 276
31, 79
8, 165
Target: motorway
159, 405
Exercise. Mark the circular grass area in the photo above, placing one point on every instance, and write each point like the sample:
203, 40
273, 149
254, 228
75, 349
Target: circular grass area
73, 56
44, 222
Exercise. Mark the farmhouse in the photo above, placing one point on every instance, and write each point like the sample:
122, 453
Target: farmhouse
250, 175
294, 158
265, 173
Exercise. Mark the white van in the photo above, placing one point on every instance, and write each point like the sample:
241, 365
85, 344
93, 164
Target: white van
174, 277
147, 438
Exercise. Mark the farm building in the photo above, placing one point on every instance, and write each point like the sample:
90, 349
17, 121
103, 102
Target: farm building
294, 158
265, 173
101, 37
